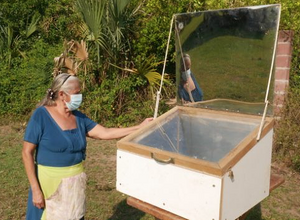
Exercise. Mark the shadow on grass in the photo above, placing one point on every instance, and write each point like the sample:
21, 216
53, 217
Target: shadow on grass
255, 213
122, 211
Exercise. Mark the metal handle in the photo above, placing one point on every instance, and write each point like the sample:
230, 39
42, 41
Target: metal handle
170, 160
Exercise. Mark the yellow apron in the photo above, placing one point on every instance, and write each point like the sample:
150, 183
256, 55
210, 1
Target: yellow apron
64, 191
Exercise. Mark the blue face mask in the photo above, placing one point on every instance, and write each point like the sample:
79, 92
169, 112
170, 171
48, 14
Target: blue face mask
75, 102
186, 74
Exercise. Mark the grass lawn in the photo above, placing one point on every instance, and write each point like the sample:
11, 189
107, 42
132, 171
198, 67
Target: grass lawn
103, 201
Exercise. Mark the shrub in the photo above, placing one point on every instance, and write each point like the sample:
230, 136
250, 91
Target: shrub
118, 101
287, 141
23, 85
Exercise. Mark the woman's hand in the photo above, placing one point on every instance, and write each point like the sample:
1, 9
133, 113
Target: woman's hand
145, 122
38, 199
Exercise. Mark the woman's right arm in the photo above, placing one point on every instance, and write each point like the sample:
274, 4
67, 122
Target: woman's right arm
28, 160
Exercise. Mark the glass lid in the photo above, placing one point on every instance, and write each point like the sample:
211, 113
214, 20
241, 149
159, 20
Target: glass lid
224, 58
208, 138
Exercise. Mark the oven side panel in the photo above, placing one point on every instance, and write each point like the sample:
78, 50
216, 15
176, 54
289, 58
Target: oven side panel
250, 181
184, 192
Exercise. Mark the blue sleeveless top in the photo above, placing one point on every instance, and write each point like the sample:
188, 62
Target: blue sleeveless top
57, 147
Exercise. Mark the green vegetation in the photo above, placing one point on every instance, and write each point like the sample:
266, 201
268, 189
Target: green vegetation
287, 136
127, 34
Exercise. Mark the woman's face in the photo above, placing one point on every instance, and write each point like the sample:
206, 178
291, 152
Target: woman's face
75, 90
187, 63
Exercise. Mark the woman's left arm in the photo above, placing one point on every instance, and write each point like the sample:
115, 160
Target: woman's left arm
100, 132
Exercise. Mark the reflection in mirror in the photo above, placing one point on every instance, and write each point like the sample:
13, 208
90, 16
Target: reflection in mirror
189, 89
225, 54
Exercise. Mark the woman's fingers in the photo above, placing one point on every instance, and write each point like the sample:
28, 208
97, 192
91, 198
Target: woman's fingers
146, 121
39, 205
38, 199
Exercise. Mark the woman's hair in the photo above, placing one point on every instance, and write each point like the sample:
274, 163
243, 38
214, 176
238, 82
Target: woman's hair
185, 58
63, 82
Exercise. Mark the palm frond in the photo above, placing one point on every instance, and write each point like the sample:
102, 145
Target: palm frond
84, 30
117, 8
32, 27
9, 43
9, 36
6, 34
125, 69
146, 69
121, 4
118, 23
2, 39
92, 14
68, 63
79, 49
153, 78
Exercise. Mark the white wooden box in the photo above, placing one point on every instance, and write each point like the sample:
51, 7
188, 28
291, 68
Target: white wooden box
222, 182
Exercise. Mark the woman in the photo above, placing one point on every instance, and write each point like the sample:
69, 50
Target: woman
188, 84
54, 148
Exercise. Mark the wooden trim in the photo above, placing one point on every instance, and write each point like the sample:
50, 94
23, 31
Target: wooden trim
178, 159
220, 114
269, 124
230, 100
221, 199
275, 181
234, 156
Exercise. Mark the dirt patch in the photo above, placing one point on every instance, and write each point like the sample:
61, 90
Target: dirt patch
6, 129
